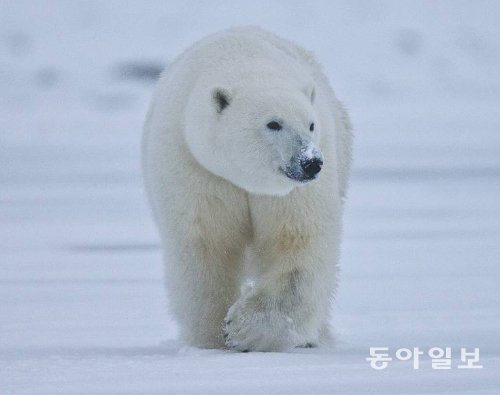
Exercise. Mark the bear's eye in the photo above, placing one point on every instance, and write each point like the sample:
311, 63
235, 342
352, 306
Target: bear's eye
311, 127
274, 125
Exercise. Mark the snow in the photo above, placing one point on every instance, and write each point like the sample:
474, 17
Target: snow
82, 305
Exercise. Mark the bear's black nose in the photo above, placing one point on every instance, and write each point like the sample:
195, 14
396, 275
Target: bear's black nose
311, 167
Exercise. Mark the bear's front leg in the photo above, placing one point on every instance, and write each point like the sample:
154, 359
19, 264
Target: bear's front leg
203, 247
297, 249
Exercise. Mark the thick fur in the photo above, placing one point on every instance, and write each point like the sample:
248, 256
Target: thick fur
213, 173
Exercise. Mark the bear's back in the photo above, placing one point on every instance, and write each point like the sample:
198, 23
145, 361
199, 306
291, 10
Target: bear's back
243, 54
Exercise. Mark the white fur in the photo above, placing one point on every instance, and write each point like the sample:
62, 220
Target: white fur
222, 204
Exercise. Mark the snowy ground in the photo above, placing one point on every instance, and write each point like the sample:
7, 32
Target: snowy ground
81, 296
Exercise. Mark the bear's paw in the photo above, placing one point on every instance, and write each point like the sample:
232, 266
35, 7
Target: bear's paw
252, 324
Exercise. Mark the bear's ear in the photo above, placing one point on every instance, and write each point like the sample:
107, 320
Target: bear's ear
310, 92
221, 99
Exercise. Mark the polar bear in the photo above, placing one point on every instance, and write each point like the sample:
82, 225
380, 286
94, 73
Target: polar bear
246, 157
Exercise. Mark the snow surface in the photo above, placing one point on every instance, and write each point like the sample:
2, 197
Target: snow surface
82, 306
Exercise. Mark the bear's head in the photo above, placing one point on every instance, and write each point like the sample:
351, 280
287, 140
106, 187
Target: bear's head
264, 140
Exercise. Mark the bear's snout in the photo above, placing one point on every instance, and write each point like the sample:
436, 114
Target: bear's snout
311, 166
306, 165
